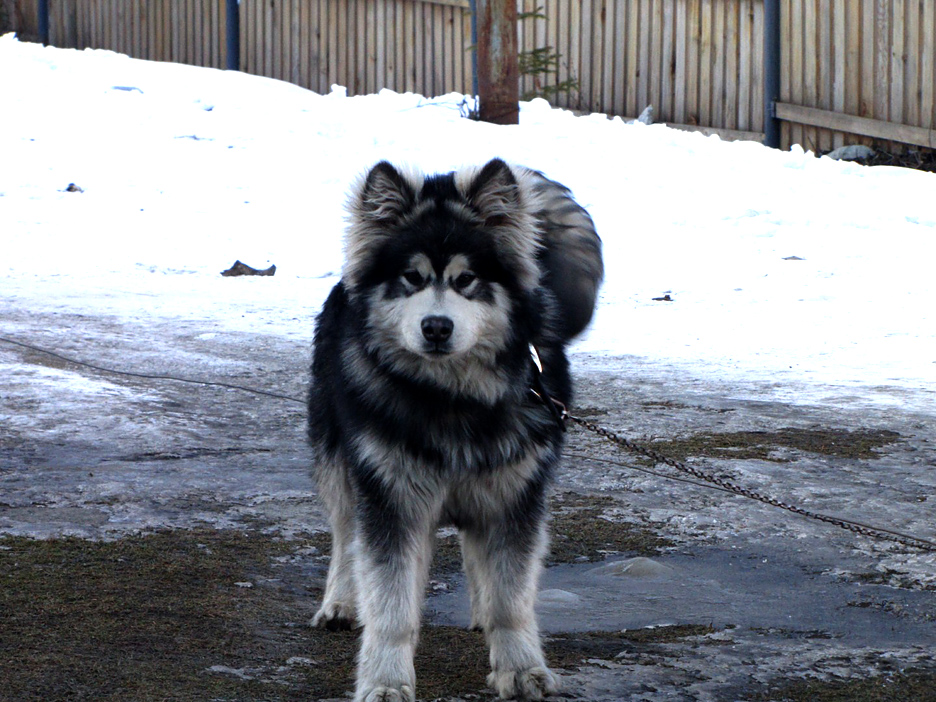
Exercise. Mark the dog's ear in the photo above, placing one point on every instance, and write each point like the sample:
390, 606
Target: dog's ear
377, 205
495, 194
506, 205
385, 195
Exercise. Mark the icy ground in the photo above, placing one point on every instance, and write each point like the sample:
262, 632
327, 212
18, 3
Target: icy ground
801, 295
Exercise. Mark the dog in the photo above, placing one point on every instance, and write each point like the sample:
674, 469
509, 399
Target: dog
426, 409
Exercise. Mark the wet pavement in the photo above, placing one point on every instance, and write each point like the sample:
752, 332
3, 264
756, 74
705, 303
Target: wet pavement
99, 456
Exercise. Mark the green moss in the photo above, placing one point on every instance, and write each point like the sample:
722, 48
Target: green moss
906, 686
572, 650
129, 619
858, 444
582, 530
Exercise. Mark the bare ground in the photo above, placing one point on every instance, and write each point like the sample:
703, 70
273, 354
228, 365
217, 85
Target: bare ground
161, 540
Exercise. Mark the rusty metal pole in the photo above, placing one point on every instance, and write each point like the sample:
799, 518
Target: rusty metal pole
498, 69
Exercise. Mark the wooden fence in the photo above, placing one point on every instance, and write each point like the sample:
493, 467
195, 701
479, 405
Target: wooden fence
849, 67
182, 31
858, 66
698, 62
364, 45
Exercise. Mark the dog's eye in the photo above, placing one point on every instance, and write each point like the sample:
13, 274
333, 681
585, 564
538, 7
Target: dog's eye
464, 280
414, 278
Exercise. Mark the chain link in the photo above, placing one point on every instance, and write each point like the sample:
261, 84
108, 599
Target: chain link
730, 486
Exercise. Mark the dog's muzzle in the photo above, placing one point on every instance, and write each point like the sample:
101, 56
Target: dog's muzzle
437, 331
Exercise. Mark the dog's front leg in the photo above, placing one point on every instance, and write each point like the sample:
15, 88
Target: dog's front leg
391, 572
507, 561
338, 610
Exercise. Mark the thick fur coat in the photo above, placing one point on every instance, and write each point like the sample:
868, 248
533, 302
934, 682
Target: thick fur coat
421, 411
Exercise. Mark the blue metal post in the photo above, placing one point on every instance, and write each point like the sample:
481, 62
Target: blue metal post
771, 72
233, 35
44, 22
474, 47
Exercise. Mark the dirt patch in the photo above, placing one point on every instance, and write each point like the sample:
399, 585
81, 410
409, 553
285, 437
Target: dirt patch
138, 618
569, 651
583, 529
919, 160
902, 686
204, 614
586, 529
764, 445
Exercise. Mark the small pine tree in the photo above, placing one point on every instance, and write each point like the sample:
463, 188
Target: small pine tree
540, 64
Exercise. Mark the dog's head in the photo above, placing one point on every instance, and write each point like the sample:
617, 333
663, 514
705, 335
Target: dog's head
444, 263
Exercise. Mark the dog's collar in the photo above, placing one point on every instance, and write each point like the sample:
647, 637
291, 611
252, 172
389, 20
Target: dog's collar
556, 408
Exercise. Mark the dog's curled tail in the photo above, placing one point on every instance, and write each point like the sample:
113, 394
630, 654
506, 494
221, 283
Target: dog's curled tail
571, 253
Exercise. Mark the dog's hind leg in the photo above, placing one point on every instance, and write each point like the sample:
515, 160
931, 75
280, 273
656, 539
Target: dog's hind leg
338, 610
474, 577
506, 561
392, 568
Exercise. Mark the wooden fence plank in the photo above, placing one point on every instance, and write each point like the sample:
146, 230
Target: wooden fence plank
729, 116
693, 60
632, 66
706, 62
667, 60
445, 37
609, 43
330, 45
566, 70
438, 60
876, 128
838, 68
380, 56
851, 61
757, 68
896, 60
811, 47
313, 49
641, 69
656, 58
881, 58
597, 55
399, 42
719, 62
457, 50
680, 77
798, 65
910, 93
582, 53
277, 15
927, 68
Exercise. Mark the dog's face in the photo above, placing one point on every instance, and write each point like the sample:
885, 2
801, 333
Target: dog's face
442, 308
444, 266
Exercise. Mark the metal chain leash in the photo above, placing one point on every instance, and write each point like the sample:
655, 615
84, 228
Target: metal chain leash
560, 413
730, 486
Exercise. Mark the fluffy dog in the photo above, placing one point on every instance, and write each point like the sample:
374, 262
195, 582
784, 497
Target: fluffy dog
422, 410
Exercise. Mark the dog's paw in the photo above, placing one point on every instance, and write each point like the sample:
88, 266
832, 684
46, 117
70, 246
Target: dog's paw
530, 684
335, 616
403, 693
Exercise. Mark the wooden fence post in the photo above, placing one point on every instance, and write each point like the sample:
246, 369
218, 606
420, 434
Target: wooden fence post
498, 69
26, 19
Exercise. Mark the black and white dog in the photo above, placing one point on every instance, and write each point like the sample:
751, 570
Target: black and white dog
421, 411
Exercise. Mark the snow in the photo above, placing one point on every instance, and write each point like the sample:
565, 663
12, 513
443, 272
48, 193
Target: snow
801, 295
790, 277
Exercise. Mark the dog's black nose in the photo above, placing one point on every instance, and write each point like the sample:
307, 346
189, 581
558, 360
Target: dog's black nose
437, 329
